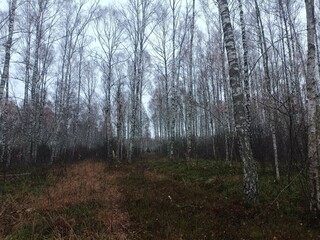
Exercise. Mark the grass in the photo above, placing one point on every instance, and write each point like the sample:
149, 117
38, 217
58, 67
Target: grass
204, 201
160, 210
72, 222
35, 182
81, 203
155, 199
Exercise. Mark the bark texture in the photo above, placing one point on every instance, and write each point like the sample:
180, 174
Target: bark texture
251, 185
8, 45
311, 108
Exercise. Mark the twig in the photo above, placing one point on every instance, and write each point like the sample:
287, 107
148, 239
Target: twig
15, 175
286, 187
189, 206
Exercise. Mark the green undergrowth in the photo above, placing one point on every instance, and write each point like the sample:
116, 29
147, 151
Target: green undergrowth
35, 181
163, 200
204, 200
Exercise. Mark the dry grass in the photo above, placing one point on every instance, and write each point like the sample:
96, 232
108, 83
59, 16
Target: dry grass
79, 183
154, 175
84, 184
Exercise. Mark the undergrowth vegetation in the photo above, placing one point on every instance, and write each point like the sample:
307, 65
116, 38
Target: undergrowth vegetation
203, 200
79, 201
151, 199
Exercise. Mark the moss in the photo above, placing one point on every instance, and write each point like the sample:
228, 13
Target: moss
203, 200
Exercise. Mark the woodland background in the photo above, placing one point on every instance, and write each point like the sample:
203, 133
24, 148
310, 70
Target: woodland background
82, 79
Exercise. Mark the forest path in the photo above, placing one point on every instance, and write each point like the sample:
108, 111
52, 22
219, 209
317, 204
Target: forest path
149, 199
84, 201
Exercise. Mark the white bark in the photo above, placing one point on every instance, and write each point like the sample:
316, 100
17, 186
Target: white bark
313, 160
8, 45
120, 120
245, 62
251, 185
173, 81
190, 86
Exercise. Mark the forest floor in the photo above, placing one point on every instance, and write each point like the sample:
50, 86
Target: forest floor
153, 199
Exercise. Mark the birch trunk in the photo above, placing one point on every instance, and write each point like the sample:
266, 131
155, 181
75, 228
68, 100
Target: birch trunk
8, 45
35, 86
173, 83
264, 53
4, 152
27, 58
108, 108
251, 185
175, 73
77, 113
313, 161
228, 125
120, 121
245, 63
190, 86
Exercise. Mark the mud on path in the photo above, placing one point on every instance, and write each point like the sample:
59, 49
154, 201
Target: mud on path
83, 203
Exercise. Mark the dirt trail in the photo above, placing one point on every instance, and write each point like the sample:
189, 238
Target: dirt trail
80, 186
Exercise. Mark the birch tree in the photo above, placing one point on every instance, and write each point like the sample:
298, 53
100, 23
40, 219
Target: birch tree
5, 82
313, 158
161, 47
120, 114
8, 46
89, 85
246, 79
138, 20
251, 185
175, 6
265, 57
45, 16
74, 25
110, 31
190, 84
